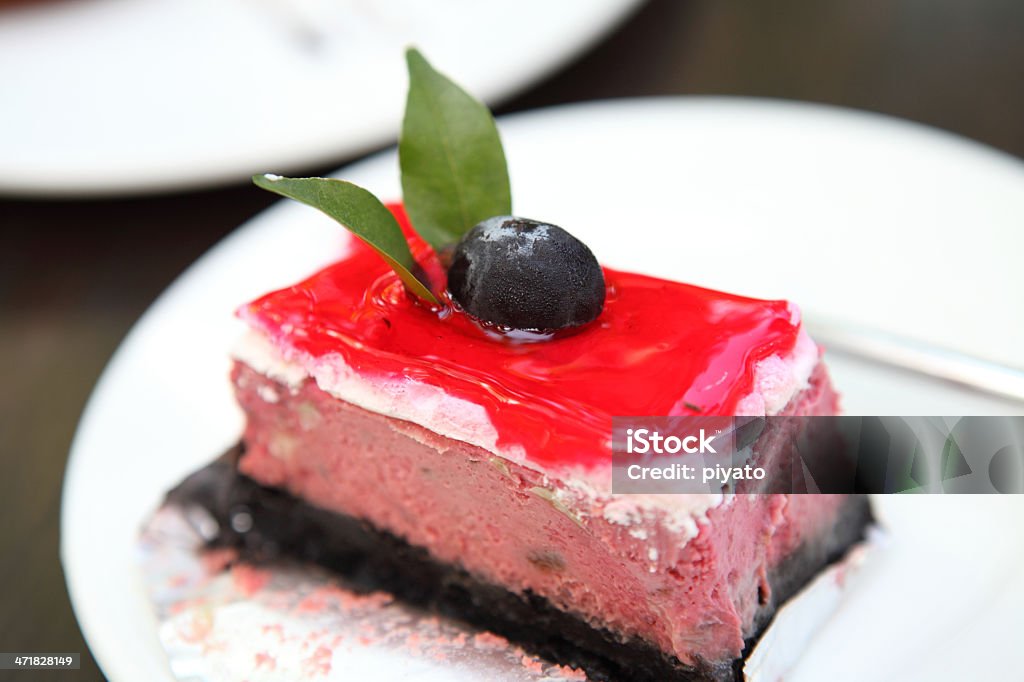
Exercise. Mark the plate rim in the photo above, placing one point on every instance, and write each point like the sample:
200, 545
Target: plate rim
371, 134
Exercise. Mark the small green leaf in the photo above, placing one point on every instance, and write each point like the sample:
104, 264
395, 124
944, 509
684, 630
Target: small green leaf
361, 213
453, 167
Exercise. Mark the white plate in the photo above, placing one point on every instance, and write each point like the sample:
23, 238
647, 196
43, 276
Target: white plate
872, 220
113, 96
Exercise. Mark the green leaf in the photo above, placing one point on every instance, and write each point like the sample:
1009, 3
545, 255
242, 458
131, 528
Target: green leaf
361, 213
453, 167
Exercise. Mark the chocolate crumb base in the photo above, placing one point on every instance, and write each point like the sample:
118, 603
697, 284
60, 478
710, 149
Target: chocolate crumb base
284, 527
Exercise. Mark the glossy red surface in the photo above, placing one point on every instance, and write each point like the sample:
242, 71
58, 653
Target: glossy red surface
658, 348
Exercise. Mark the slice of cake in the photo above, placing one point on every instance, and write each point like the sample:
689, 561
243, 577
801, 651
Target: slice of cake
432, 415
490, 462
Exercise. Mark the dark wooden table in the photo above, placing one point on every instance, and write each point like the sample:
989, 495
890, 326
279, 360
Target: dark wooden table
76, 274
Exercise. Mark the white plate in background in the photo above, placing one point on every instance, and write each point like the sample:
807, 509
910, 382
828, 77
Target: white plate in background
120, 96
857, 217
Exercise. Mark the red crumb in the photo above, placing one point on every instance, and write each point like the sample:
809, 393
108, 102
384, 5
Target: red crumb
319, 663
532, 664
414, 644
248, 579
276, 628
568, 673
216, 560
199, 627
178, 580
265, 660
312, 603
180, 607
331, 595
430, 621
489, 640
350, 601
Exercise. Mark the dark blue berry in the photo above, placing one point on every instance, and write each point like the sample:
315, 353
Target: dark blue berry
523, 274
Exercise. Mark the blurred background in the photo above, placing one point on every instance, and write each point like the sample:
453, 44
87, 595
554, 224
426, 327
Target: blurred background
77, 272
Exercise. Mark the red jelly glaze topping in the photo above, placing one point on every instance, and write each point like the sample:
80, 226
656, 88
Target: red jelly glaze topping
658, 348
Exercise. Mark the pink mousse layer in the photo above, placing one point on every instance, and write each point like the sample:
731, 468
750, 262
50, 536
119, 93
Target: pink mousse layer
621, 562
